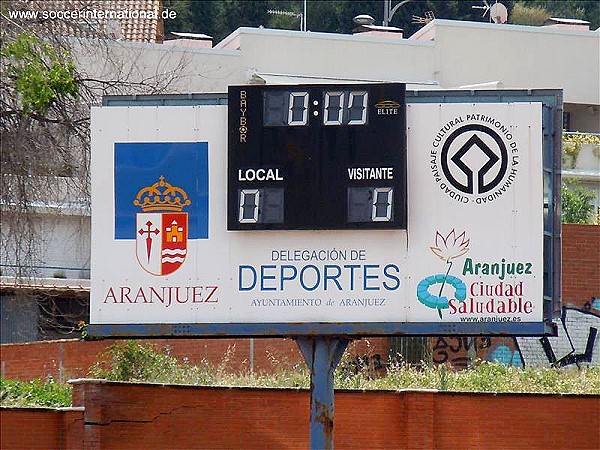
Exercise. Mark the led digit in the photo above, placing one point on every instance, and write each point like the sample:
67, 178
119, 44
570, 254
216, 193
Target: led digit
275, 109
298, 108
357, 108
249, 199
271, 208
334, 101
382, 204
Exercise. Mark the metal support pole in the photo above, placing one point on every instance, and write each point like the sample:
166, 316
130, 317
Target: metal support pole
322, 355
251, 356
303, 19
386, 12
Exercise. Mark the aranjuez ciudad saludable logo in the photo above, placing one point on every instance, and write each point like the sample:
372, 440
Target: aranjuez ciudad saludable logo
430, 290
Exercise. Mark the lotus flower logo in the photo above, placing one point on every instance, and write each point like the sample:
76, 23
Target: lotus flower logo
451, 246
446, 248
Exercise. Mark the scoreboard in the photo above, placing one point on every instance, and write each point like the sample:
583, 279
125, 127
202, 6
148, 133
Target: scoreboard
317, 157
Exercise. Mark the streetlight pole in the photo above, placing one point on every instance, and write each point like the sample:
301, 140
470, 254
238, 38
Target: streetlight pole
388, 11
304, 17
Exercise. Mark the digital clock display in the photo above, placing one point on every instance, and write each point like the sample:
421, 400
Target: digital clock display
317, 157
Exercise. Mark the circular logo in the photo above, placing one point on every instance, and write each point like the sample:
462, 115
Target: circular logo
472, 162
439, 301
474, 159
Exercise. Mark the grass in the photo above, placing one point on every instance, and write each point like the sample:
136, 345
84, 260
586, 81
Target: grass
35, 393
140, 362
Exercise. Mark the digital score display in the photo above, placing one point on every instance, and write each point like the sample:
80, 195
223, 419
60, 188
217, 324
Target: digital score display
317, 157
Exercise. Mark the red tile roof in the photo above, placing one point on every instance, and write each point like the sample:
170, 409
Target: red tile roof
131, 20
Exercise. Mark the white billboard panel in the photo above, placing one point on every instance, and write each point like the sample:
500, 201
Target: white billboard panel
472, 251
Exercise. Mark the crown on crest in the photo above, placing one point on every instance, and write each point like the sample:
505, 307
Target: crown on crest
161, 196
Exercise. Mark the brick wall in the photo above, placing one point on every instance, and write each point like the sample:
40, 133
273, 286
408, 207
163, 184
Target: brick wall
132, 416
580, 263
41, 428
65, 359
124, 416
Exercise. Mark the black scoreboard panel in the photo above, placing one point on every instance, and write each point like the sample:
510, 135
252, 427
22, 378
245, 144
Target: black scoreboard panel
317, 157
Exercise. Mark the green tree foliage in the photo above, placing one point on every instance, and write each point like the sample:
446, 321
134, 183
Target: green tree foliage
577, 206
573, 9
528, 15
39, 75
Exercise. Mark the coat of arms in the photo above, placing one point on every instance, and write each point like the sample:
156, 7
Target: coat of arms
162, 227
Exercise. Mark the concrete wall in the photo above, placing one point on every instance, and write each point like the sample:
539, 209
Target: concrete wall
173, 69
61, 246
453, 53
132, 416
337, 56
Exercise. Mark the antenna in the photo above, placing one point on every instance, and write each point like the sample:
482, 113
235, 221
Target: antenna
485, 8
277, 12
498, 12
429, 16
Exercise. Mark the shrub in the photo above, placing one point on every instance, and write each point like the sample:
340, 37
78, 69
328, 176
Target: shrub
577, 206
34, 393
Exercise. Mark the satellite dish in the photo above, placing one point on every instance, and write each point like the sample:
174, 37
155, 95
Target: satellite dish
498, 13
364, 19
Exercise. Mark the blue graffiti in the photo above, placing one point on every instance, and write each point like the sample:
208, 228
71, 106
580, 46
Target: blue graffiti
504, 355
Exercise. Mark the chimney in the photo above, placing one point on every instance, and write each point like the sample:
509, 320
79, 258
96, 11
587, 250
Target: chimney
366, 28
196, 40
567, 24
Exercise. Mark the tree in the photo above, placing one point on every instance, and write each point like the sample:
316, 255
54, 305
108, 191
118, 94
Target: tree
528, 15
49, 78
577, 206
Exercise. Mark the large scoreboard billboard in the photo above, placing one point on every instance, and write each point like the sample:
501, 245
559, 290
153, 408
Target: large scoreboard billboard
252, 219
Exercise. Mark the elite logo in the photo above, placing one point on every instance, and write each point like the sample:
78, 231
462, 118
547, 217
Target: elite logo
387, 108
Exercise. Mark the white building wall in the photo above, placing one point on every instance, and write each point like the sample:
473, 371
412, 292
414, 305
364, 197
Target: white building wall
62, 245
66, 245
521, 57
332, 55
173, 69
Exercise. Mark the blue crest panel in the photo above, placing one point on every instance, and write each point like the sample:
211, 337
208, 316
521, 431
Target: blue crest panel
141, 164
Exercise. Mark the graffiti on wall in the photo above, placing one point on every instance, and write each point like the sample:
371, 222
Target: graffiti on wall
457, 350
577, 343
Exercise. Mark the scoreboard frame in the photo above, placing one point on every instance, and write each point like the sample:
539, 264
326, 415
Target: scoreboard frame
551, 101
317, 157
